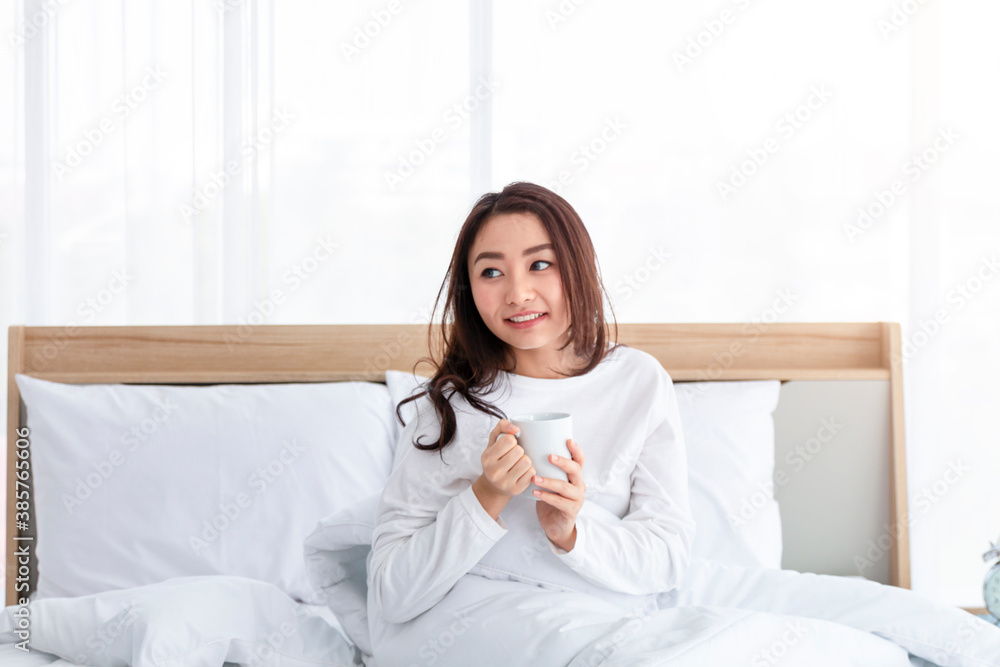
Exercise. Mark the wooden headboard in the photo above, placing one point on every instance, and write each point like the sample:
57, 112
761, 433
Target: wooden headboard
324, 353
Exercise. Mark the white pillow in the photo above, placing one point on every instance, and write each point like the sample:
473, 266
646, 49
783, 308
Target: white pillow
729, 435
336, 554
135, 484
402, 385
183, 621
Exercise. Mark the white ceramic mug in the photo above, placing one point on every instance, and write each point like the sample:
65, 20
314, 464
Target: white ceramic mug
541, 434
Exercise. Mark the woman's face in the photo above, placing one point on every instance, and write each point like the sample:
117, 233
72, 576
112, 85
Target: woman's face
512, 269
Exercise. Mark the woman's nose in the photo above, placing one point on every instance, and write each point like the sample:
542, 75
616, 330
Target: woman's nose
520, 289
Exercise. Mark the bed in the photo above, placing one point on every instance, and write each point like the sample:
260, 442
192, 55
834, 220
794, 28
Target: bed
252, 440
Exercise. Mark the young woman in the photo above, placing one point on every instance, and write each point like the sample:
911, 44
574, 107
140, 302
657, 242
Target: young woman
461, 554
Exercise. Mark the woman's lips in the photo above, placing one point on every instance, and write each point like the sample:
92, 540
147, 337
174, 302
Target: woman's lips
528, 324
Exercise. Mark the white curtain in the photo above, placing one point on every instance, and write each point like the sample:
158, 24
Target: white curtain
255, 161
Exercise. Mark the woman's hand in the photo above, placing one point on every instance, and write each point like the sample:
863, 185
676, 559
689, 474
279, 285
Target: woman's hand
507, 470
561, 501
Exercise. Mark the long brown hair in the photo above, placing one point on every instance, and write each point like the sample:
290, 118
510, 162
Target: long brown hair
473, 355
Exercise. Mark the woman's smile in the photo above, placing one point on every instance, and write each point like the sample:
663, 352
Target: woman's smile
527, 324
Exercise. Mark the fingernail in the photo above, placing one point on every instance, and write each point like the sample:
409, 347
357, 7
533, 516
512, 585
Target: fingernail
555, 458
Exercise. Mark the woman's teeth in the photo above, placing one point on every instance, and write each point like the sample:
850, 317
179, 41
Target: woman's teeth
526, 318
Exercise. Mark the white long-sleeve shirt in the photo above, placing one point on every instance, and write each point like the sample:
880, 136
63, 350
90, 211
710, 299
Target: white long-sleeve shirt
634, 531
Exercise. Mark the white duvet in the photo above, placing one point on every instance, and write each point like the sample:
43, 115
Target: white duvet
721, 615
204, 620
577, 630
219, 620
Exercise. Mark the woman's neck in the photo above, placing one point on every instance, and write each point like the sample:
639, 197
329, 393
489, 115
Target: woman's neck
543, 368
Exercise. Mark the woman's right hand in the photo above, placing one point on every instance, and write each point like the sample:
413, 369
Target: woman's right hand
507, 470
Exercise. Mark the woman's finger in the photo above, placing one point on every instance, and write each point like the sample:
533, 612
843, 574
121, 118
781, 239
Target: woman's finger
556, 500
573, 467
576, 451
563, 488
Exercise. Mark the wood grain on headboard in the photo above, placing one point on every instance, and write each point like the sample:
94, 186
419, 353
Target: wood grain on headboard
314, 353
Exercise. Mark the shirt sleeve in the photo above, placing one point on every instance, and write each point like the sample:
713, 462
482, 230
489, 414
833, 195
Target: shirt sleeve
649, 549
430, 528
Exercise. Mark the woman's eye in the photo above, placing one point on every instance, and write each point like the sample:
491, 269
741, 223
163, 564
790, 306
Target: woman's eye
533, 263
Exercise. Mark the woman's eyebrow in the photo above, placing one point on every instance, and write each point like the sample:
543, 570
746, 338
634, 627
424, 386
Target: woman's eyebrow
499, 255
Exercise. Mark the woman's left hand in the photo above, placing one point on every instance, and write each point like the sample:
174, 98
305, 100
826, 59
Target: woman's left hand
561, 501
